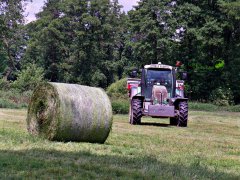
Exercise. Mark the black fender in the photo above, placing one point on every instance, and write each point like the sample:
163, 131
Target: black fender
138, 97
175, 101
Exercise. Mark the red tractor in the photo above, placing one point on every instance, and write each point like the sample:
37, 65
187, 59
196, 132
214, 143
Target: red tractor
158, 94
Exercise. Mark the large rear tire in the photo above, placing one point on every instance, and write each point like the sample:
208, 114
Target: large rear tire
183, 114
182, 119
135, 112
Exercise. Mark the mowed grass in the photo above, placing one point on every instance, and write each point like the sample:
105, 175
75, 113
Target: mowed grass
208, 149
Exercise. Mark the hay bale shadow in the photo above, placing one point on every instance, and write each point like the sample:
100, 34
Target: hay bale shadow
53, 164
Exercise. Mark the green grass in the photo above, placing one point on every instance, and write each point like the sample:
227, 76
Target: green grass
212, 108
14, 99
208, 149
121, 106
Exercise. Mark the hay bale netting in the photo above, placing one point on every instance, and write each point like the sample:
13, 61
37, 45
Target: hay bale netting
70, 112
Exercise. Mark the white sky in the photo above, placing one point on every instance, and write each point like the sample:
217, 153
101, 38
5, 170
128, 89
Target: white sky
36, 5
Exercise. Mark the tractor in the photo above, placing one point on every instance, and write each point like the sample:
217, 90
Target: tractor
158, 94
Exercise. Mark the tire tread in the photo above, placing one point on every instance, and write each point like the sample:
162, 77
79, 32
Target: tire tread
137, 111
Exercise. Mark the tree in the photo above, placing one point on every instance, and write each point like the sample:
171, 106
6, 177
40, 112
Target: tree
231, 10
11, 36
152, 31
93, 43
45, 46
77, 41
207, 44
204, 35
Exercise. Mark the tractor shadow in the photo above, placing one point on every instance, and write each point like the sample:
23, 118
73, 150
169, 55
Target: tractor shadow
155, 124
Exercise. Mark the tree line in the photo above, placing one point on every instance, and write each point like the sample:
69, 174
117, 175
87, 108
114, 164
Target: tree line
93, 42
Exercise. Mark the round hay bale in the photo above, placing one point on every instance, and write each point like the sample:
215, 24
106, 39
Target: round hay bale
70, 112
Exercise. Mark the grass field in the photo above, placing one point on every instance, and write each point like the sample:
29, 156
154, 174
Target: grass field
208, 149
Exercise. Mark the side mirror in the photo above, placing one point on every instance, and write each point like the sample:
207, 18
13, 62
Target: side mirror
184, 75
133, 74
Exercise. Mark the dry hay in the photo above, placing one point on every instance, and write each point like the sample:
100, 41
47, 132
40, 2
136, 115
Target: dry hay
70, 112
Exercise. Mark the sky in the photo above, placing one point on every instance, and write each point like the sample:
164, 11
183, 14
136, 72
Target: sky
36, 5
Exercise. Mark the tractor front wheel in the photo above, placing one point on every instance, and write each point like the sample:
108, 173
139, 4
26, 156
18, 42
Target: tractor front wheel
183, 114
135, 112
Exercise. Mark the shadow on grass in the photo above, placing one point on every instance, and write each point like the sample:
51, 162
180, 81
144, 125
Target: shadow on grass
155, 124
53, 164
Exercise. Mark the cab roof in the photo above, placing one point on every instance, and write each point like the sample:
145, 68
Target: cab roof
158, 66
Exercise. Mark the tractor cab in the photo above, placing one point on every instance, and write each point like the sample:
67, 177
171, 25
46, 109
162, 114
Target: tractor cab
154, 76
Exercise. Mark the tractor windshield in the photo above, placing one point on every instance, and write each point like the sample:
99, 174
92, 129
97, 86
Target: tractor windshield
161, 77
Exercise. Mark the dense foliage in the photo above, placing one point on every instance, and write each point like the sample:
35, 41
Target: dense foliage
95, 43
204, 35
78, 41
11, 36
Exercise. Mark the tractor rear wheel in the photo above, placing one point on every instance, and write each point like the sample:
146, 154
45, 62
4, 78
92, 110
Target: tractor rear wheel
182, 118
183, 114
135, 112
